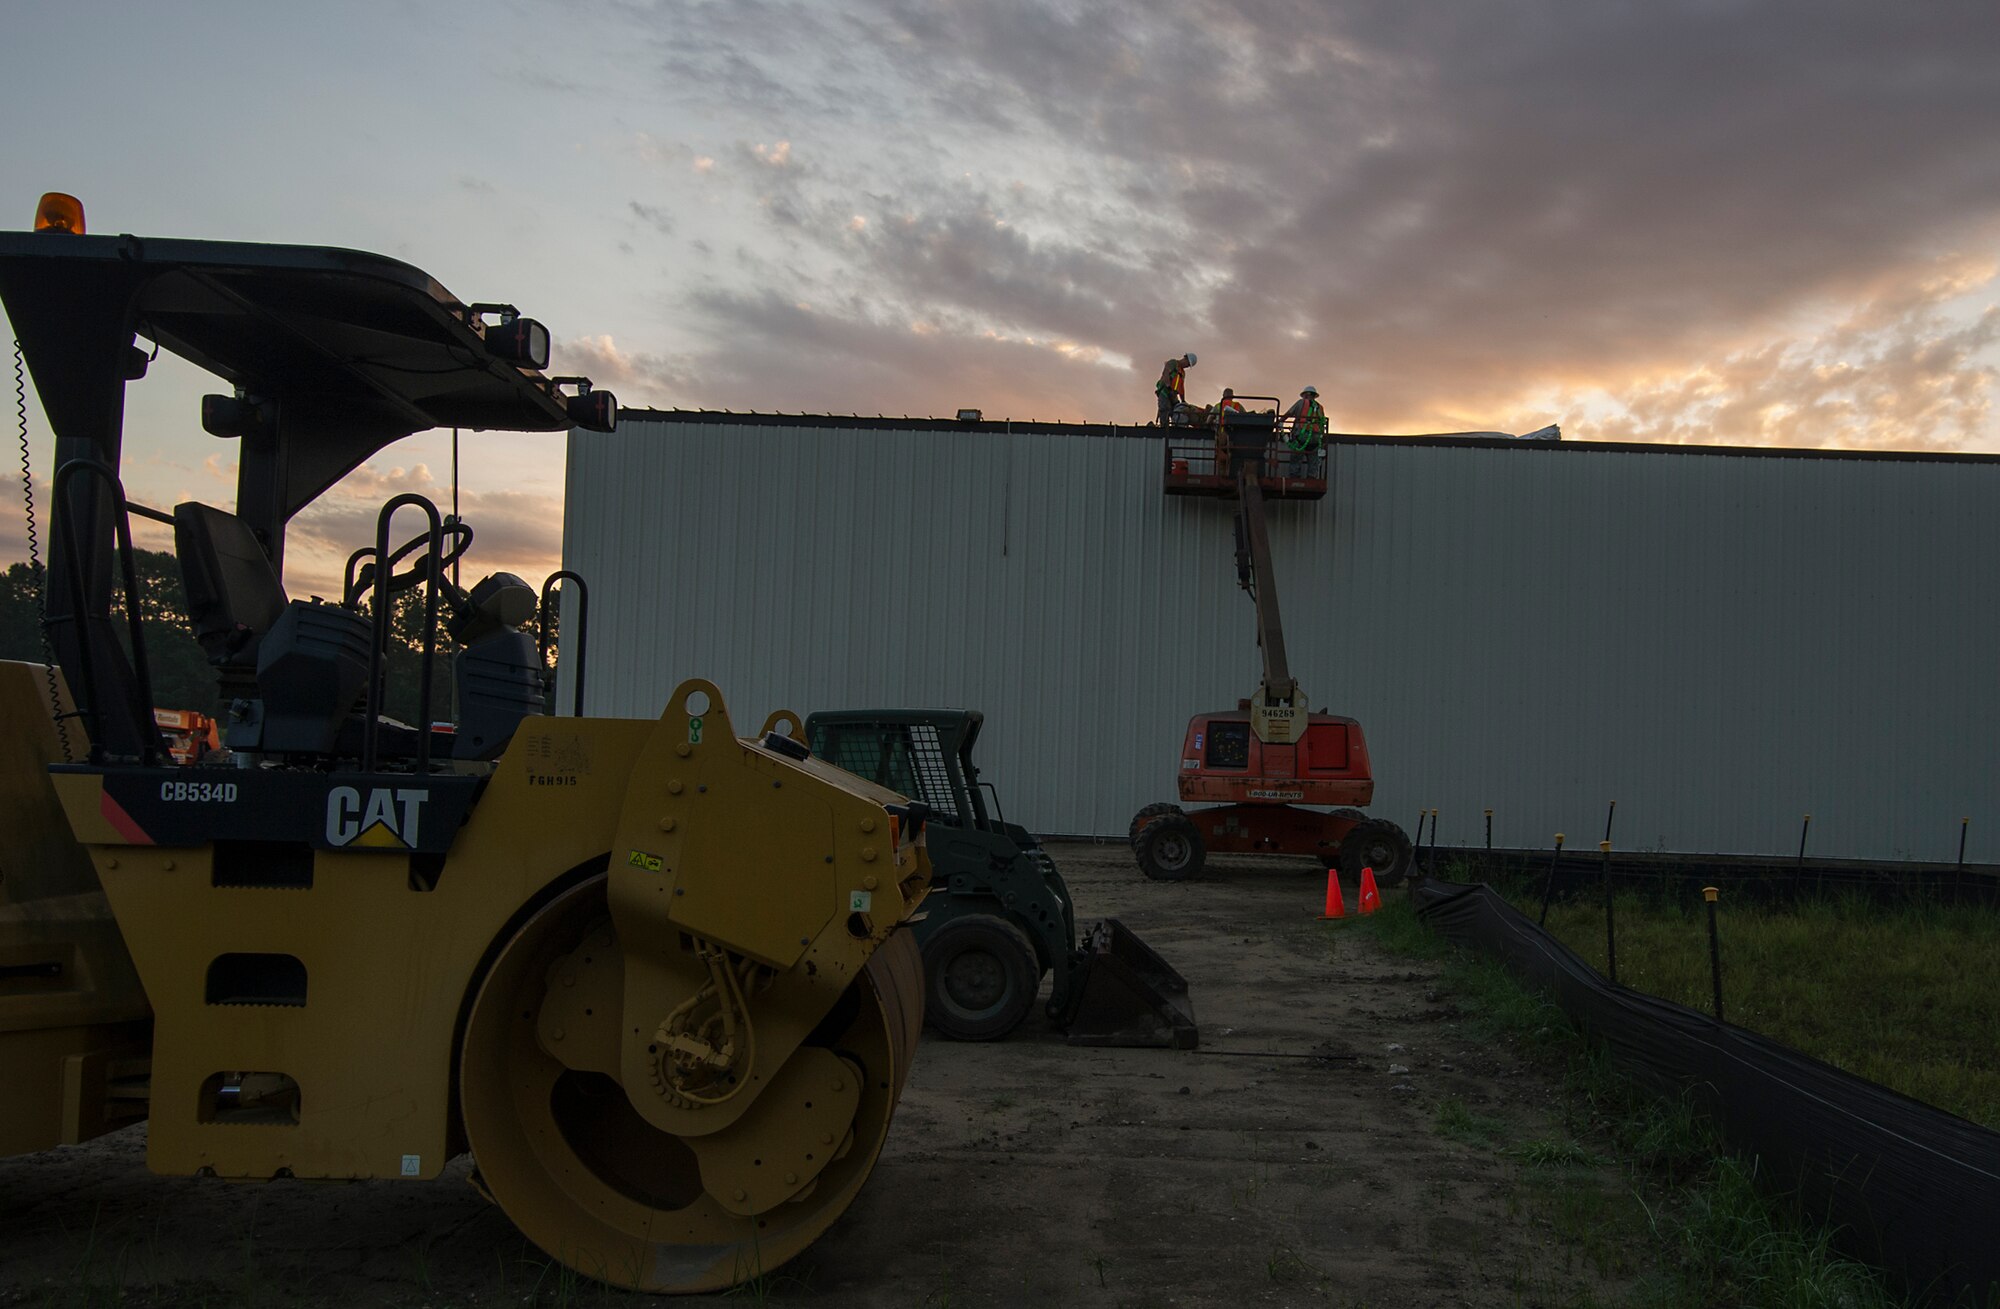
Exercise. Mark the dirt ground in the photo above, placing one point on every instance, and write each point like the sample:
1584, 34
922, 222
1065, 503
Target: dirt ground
1303, 1155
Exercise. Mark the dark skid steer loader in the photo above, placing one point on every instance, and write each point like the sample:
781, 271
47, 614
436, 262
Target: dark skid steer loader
1000, 917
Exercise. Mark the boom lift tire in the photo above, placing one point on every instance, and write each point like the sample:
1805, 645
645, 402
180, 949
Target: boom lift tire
1378, 844
1332, 857
1170, 849
597, 1187
982, 977
1145, 816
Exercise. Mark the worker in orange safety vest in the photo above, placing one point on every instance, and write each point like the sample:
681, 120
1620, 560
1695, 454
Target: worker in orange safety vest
1220, 416
1171, 389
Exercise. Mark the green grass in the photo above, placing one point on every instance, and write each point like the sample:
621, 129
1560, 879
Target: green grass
1461, 1124
1553, 1152
1907, 997
1689, 1212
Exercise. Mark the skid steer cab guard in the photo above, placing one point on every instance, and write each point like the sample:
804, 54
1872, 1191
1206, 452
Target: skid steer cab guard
1000, 918
653, 974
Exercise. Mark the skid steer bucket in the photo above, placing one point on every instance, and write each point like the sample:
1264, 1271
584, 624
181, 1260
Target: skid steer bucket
1127, 995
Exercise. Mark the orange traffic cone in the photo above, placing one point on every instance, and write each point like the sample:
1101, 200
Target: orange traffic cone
1334, 908
1371, 899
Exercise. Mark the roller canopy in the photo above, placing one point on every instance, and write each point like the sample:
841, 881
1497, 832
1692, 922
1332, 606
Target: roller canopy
338, 330
338, 354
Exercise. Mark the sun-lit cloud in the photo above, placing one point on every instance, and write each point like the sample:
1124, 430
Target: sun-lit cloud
1661, 216
1914, 383
639, 379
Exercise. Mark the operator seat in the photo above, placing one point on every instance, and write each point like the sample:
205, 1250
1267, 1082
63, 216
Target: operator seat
291, 670
234, 596
498, 670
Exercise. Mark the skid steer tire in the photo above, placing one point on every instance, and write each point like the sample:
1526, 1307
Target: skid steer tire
1147, 815
1170, 849
980, 978
1378, 844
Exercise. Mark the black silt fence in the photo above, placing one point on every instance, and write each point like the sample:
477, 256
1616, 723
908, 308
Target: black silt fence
1910, 1188
1744, 879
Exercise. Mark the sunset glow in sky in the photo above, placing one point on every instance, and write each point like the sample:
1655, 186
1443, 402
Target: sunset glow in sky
1711, 222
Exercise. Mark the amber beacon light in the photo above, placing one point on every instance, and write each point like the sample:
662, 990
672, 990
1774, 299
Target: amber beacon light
59, 213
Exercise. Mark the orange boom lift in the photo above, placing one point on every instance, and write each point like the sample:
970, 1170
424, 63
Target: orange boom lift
1259, 770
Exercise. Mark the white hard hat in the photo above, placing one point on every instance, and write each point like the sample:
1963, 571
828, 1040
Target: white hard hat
1310, 390
1189, 356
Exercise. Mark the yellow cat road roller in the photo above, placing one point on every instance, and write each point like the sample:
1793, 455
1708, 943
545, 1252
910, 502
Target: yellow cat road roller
653, 975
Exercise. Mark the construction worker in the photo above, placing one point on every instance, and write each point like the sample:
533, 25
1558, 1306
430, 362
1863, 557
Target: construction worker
1219, 411
1305, 428
1171, 389
1219, 416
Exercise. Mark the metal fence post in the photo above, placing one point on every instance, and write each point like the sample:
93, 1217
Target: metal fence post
1958, 873
1610, 930
1709, 893
1549, 882
1489, 837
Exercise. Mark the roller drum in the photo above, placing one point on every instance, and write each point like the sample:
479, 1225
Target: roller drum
599, 1188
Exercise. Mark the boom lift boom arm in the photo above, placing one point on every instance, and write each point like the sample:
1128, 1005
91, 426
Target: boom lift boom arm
1254, 574
1274, 710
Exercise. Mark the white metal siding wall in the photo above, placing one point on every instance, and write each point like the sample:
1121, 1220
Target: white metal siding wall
1721, 644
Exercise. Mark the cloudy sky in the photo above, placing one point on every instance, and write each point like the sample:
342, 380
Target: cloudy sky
1771, 223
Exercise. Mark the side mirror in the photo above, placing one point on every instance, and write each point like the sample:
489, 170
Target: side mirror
228, 415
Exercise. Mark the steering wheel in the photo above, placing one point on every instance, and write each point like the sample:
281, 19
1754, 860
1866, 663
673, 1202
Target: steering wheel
457, 540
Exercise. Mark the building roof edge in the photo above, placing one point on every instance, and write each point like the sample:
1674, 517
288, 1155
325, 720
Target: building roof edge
1474, 440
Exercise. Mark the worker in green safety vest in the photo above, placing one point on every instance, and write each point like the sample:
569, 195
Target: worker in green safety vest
1305, 428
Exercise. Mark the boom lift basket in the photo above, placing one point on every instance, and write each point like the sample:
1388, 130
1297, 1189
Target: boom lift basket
1200, 459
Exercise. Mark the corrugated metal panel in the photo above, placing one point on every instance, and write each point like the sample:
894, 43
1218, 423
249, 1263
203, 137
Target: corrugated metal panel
1721, 644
